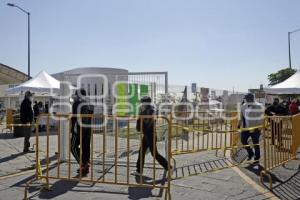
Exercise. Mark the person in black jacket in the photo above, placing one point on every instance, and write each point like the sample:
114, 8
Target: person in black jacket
276, 109
80, 106
26, 116
147, 127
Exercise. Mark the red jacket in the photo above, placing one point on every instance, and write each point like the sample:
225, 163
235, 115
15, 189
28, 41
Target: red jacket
294, 108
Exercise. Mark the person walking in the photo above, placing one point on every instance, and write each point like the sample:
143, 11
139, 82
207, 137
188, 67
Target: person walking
78, 124
148, 130
26, 117
251, 118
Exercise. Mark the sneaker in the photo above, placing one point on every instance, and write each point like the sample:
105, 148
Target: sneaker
250, 157
136, 173
84, 169
256, 161
26, 150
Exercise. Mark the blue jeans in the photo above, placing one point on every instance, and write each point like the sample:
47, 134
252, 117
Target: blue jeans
255, 140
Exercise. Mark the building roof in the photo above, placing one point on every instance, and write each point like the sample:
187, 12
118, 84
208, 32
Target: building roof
9, 75
86, 70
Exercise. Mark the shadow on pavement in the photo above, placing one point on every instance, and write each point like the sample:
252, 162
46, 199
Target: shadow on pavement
136, 193
201, 168
284, 189
256, 169
11, 157
10, 135
57, 189
289, 189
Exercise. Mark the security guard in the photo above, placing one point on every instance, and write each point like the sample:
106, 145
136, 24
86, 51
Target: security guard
251, 117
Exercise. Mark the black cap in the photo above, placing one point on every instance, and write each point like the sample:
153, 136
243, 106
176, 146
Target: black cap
146, 99
28, 93
249, 96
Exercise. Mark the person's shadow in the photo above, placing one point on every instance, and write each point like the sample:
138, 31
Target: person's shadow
256, 169
58, 188
11, 157
136, 193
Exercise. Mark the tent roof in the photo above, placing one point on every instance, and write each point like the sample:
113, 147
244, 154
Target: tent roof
289, 86
42, 82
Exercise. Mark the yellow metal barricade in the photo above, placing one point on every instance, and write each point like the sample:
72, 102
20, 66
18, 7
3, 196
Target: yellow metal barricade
203, 131
281, 141
207, 131
9, 119
296, 134
114, 146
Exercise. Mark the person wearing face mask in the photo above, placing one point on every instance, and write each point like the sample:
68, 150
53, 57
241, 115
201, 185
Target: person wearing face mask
26, 117
251, 118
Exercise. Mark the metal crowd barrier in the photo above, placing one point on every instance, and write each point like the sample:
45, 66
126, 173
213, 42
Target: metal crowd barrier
203, 131
196, 132
113, 142
281, 142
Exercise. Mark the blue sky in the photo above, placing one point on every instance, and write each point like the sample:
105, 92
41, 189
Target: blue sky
216, 43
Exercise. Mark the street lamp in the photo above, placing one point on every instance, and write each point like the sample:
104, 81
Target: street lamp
289, 38
28, 16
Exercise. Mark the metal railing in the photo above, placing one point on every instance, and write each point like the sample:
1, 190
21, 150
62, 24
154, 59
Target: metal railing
112, 141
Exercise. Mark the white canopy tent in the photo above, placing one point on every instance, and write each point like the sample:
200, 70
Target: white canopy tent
42, 83
289, 86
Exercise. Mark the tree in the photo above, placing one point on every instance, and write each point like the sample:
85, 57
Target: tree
280, 76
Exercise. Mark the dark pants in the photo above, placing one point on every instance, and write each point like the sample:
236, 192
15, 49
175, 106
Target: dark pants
147, 142
27, 133
86, 145
255, 140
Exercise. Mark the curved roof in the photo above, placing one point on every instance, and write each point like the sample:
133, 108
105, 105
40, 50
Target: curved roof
9, 75
87, 70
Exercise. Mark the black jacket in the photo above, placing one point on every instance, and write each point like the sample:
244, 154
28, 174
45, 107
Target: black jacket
276, 110
147, 122
26, 113
81, 107
36, 110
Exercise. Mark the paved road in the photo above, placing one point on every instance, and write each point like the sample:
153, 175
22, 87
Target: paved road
221, 184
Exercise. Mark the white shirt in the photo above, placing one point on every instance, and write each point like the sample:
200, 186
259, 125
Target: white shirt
252, 115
